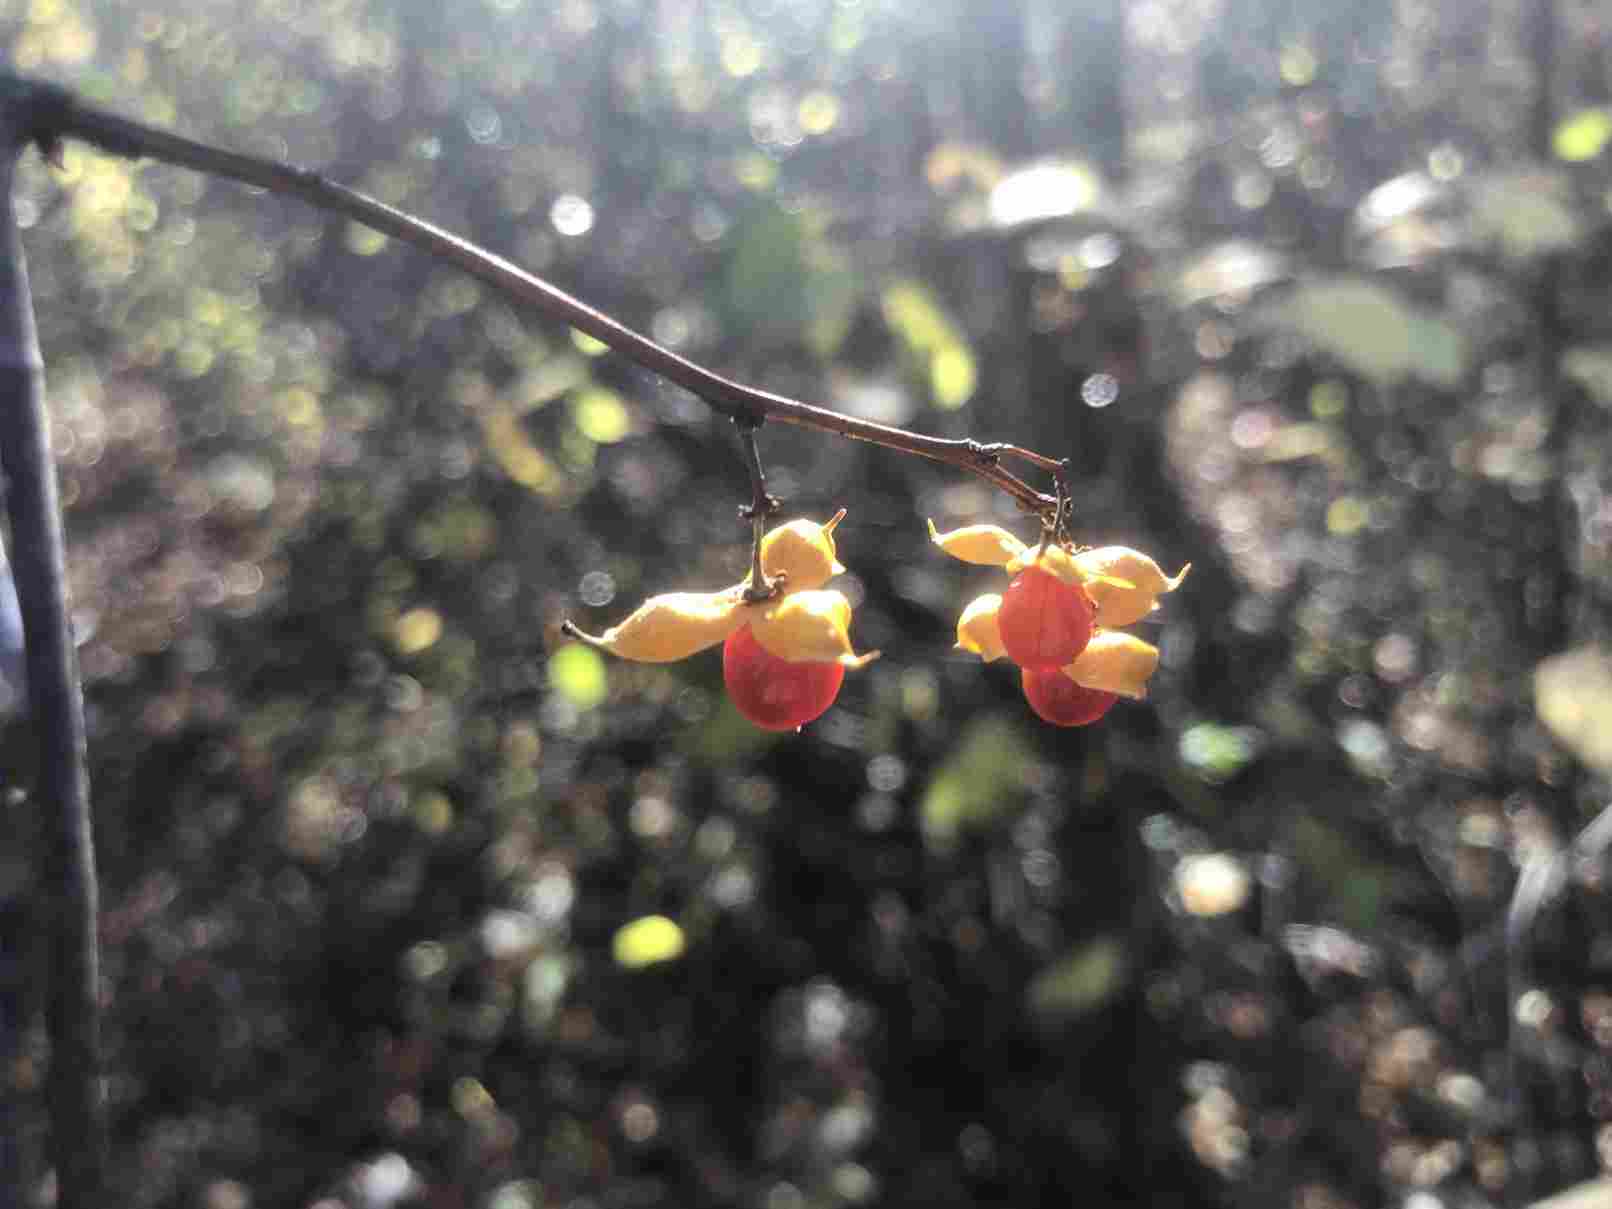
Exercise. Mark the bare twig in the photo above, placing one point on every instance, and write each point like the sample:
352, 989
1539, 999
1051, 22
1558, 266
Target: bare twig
63, 115
69, 898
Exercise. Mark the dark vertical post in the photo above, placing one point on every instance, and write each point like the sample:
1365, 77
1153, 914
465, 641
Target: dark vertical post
68, 890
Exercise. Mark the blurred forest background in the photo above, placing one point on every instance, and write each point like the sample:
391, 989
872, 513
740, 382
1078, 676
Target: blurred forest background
1313, 295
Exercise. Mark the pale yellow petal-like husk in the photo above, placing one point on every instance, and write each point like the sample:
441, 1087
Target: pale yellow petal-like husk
1054, 560
808, 627
984, 545
1116, 663
802, 551
1125, 584
977, 629
674, 626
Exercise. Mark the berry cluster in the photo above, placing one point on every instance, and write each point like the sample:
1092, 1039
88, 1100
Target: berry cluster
786, 642
784, 650
1058, 619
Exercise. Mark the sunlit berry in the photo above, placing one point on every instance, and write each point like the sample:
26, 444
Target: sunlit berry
775, 693
1044, 621
1059, 700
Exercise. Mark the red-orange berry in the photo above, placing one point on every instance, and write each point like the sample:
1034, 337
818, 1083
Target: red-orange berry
1044, 621
1059, 700
775, 693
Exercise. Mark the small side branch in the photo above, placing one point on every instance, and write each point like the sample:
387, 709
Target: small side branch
60, 114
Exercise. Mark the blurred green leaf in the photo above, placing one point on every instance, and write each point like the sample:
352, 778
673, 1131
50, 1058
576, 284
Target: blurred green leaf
1371, 330
548, 380
978, 784
1525, 214
727, 736
786, 284
1591, 367
1217, 753
1084, 979
1353, 888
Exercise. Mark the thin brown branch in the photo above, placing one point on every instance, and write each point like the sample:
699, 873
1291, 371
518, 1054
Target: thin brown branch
63, 115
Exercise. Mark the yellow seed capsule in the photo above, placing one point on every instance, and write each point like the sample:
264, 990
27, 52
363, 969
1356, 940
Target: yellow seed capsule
1116, 663
808, 627
673, 626
803, 553
1125, 584
977, 630
986, 545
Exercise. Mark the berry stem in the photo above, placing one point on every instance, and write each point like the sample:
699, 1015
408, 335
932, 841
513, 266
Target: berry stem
760, 507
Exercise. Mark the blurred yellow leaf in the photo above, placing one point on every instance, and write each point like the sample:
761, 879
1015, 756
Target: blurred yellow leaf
588, 345
362, 241
1583, 136
978, 784
1080, 981
952, 376
1347, 516
520, 459
417, 630
600, 415
647, 941
1573, 698
917, 317
818, 112
1298, 65
579, 675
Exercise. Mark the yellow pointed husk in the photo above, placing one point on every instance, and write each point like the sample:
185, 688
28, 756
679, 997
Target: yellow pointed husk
1116, 663
977, 629
983, 545
808, 627
673, 626
1124, 584
802, 551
